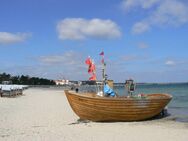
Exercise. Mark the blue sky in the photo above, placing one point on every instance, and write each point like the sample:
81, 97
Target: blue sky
146, 40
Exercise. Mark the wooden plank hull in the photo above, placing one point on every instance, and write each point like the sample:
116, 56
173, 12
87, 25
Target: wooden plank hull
92, 107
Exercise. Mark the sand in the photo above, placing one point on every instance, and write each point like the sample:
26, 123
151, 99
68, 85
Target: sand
43, 114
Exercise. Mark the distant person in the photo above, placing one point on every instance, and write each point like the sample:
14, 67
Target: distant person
76, 90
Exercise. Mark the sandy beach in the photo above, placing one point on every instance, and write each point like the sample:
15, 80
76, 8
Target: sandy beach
44, 114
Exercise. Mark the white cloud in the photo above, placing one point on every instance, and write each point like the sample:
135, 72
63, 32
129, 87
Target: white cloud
130, 58
170, 12
170, 63
145, 4
9, 38
162, 13
68, 58
140, 27
79, 28
142, 45
70, 64
51, 59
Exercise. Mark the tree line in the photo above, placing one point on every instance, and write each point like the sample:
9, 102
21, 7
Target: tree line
25, 80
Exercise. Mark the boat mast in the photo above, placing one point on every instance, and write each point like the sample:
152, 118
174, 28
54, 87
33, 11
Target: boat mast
104, 76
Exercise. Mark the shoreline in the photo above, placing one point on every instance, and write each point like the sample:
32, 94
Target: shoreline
178, 114
45, 114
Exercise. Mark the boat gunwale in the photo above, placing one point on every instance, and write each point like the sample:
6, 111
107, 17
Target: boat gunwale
164, 96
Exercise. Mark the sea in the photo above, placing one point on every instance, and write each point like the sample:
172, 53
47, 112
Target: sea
178, 106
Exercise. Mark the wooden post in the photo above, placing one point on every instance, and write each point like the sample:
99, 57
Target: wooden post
1, 92
110, 83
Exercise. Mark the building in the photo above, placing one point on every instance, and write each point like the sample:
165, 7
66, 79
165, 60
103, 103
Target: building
62, 82
6, 82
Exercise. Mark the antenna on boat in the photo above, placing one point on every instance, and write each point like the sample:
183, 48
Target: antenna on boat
130, 86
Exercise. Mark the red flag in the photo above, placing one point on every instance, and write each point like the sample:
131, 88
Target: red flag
102, 53
88, 61
91, 68
93, 77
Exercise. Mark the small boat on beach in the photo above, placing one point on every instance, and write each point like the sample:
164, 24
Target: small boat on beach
11, 90
90, 106
107, 105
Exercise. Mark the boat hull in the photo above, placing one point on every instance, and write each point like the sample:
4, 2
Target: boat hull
92, 107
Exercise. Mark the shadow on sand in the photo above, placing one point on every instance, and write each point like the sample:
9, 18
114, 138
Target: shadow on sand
80, 121
162, 115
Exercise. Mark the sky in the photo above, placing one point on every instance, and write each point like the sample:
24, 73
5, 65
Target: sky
146, 40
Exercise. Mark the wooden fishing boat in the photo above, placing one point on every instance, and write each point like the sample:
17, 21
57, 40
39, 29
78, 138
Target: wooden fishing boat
89, 106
